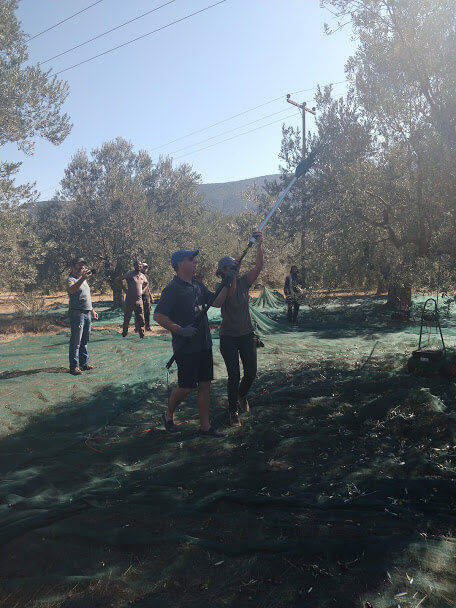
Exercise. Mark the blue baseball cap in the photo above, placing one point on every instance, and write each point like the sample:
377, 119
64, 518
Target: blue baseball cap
178, 256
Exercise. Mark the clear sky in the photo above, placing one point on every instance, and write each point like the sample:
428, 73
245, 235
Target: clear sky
182, 79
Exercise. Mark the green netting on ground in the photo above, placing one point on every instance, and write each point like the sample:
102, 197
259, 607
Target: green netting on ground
269, 299
339, 488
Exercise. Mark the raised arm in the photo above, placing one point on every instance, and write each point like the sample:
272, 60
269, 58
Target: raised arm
253, 274
77, 284
220, 298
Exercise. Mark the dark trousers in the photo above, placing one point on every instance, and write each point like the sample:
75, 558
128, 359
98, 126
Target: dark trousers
231, 349
129, 309
293, 310
146, 307
80, 323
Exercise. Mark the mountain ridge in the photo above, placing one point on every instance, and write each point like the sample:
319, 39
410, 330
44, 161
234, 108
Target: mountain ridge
226, 197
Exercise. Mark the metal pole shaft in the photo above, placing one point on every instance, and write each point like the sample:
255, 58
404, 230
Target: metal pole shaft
304, 129
303, 201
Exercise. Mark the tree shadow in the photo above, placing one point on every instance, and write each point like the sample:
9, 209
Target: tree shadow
30, 372
328, 485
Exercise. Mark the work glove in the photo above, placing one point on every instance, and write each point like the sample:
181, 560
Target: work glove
229, 275
187, 332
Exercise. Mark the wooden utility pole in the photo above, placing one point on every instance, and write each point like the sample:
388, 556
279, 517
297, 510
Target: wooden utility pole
303, 107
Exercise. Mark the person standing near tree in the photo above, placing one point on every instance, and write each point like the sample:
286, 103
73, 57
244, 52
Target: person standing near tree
81, 314
178, 310
146, 297
134, 285
237, 337
293, 290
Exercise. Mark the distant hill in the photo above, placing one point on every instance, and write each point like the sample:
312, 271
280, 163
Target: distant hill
227, 196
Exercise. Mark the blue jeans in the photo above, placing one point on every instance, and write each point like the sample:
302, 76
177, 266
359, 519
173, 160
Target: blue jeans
80, 323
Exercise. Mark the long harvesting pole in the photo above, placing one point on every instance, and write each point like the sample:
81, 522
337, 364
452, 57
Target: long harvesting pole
301, 169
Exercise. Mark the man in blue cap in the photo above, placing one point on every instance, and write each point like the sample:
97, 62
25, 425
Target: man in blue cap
180, 304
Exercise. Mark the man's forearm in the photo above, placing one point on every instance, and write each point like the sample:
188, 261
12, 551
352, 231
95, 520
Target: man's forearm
74, 288
166, 322
220, 298
260, 256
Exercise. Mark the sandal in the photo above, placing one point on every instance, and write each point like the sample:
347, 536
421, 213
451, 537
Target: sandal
169, 425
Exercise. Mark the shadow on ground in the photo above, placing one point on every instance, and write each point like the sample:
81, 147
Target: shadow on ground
337, 490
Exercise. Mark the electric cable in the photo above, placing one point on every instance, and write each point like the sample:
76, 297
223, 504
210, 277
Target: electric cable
229, 131
63, 20
261, 105
159, 29
107, 32
238, 135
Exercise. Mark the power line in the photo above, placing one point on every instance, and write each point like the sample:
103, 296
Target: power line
64, 20
119, 46
107, 32
215, 124
239, 135
228, 131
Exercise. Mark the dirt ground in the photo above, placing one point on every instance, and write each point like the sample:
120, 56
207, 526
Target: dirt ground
14, 324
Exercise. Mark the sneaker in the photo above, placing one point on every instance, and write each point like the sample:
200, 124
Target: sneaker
147, 328
87, 367
141, 333
234, 419
124, 333
169, 425
244, 404
211, 432
76, 371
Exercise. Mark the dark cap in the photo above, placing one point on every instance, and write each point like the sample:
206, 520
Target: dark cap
224, 263
75, 261
178, 256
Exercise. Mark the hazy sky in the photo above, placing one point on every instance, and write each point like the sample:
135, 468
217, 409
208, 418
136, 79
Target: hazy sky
184, 78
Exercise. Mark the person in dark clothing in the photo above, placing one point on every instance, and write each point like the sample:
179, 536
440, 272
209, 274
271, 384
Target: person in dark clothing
237, 338
181, 303
146, 298
294, 294
134, 285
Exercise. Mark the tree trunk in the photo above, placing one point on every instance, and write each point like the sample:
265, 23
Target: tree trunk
381, 287
117, 294
399, 296
116, 286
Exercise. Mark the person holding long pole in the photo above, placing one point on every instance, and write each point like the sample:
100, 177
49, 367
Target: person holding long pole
237, 337
180, 305
301, 169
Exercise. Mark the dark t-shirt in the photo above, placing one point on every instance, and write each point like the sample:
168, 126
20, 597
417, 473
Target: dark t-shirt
236, 320
135, 283
182, 302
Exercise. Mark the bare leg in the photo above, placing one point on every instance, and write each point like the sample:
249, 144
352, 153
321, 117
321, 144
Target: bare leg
203, 399
177, 396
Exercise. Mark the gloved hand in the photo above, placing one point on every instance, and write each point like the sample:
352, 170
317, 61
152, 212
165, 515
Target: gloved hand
230, 274
187, 332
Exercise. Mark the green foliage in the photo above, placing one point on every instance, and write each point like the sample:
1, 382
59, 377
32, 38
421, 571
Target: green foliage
31, 98
116, 205
378, 206
30, 107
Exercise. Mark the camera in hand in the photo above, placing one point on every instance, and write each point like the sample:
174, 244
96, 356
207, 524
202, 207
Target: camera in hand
92, 270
